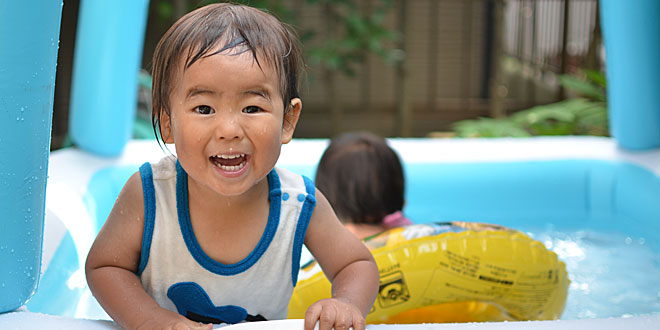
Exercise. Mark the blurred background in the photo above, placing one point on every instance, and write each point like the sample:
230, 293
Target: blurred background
414, 68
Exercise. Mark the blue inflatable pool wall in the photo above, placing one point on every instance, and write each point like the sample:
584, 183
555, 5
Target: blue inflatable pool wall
573, 193
107, 59
576, 191
29, 40
631, 31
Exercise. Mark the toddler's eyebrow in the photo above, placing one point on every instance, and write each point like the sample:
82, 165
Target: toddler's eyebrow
258, 92
196, 90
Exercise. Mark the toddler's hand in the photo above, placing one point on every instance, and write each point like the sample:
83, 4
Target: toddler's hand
334, 314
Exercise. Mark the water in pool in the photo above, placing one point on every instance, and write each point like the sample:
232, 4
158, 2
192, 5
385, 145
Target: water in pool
612, 274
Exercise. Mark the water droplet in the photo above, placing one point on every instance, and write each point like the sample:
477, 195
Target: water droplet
628, 240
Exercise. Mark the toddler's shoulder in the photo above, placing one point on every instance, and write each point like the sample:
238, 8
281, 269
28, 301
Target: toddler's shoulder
290, 180
164, 169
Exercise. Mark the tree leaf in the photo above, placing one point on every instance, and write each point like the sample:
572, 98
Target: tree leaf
582, 87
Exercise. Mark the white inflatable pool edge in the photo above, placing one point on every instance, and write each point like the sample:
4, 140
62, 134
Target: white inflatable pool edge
309, 151
542, 148
36, 321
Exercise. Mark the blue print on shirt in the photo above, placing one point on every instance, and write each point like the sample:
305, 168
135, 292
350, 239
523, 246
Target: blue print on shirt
192, 302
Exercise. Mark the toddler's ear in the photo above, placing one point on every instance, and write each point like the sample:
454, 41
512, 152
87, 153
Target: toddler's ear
166, 127
291, 120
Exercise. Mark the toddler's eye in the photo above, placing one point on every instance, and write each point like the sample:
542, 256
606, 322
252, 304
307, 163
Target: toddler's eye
251, 109
204, 109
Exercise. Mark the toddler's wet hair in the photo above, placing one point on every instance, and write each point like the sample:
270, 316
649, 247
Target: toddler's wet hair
231, 29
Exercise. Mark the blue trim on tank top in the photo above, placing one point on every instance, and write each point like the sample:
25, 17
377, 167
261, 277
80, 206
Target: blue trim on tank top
149, 194
301, 227
183, 211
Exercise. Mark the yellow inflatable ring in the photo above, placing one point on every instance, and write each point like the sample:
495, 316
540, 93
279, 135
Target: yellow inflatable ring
453, 272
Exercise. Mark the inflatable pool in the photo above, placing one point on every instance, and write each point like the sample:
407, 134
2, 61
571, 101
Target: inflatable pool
563, 182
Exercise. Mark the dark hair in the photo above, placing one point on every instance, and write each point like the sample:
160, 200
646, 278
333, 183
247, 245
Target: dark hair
217, 28
362, 178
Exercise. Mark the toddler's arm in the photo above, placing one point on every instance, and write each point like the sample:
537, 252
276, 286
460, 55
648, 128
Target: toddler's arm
112, 264
349, 266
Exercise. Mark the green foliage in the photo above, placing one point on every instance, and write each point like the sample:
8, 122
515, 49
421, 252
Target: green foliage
489, 127
359, 33
570, 117
165, 9
584, 115
592, 86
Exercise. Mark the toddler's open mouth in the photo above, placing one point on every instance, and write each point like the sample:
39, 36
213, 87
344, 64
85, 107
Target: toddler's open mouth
229, 163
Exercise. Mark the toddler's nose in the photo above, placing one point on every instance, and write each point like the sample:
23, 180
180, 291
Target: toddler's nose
228, 127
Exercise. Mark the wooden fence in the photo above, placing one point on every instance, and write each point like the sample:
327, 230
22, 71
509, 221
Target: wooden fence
461, 59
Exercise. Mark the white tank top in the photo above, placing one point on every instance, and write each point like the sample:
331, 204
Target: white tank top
181, 277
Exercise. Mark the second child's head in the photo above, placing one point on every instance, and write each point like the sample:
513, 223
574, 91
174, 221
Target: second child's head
225, 90
362, 178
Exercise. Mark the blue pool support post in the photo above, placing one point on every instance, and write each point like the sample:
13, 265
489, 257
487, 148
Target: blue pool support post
107, 59
29, 37
631, 32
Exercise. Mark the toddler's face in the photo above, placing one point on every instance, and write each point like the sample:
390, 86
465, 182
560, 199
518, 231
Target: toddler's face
227, 122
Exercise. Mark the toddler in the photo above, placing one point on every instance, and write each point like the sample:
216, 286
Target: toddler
214, 235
